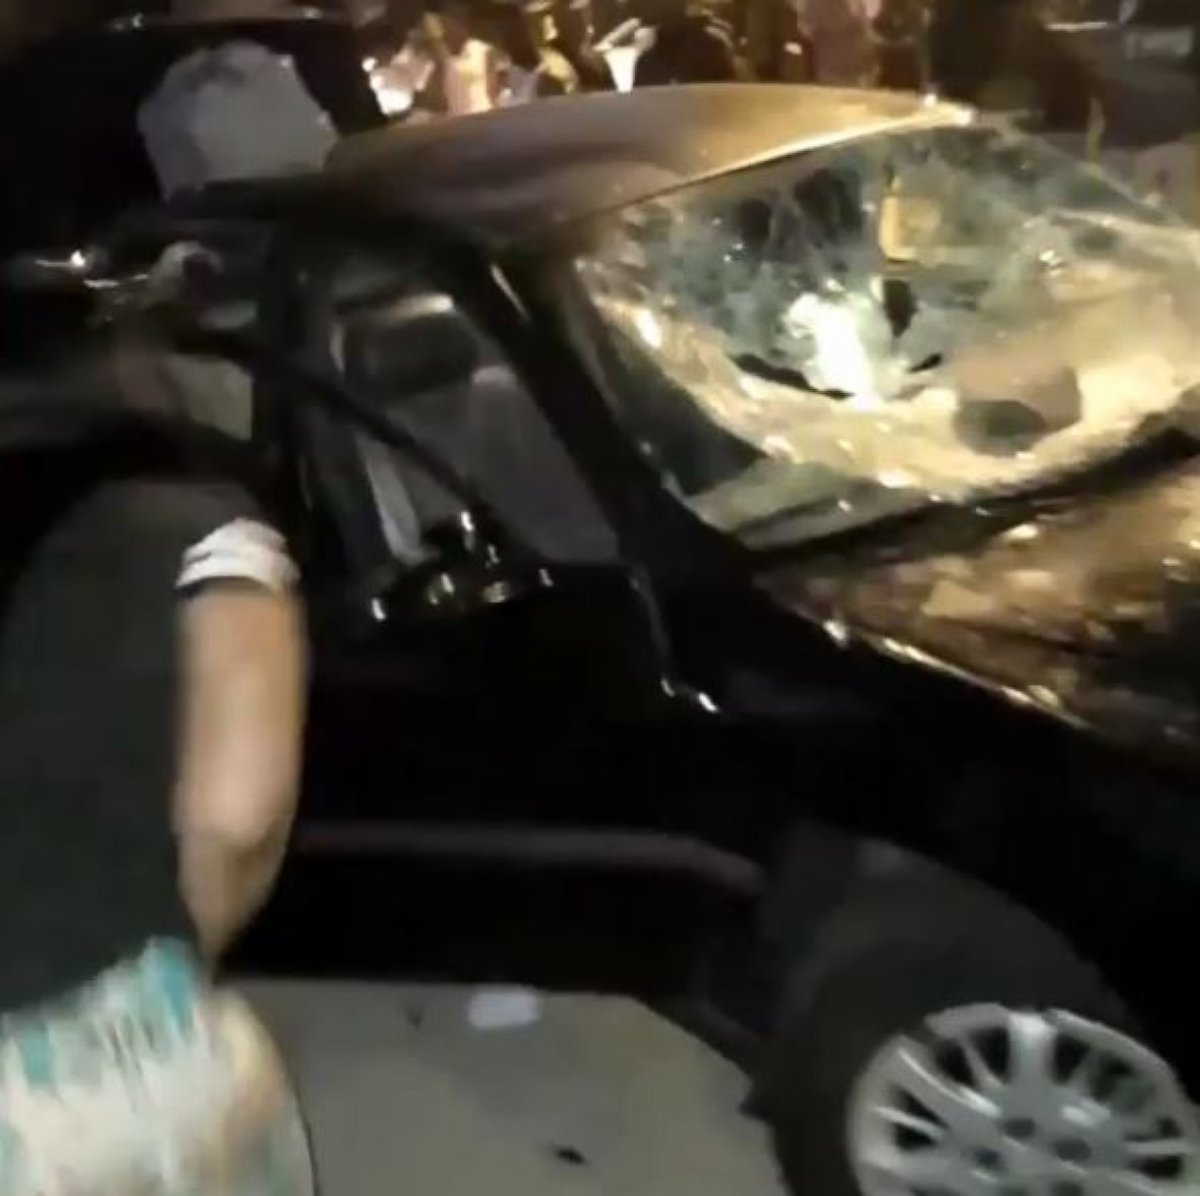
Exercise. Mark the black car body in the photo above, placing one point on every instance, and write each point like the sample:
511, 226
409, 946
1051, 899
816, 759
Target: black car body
716, 504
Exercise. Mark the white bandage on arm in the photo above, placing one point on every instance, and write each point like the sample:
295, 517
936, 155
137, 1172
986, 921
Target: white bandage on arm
241, 550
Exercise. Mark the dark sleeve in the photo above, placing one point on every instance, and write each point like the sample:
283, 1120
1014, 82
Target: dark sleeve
88, 642
181, 535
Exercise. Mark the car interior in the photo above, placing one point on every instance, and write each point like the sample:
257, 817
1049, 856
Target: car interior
414, 353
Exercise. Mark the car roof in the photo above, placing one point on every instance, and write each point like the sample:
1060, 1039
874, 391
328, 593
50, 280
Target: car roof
510, 175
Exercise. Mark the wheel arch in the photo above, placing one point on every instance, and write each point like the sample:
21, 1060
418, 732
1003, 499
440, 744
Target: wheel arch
1098, 847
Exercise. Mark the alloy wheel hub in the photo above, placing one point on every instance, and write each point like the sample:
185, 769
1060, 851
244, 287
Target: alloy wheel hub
989, 1101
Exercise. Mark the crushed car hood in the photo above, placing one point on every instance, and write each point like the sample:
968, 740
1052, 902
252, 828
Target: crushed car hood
1088, 609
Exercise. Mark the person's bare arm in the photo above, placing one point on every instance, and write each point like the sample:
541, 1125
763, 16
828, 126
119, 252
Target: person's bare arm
494, 65
242, 716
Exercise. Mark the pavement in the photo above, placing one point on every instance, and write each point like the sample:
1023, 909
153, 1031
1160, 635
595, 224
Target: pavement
596, 1095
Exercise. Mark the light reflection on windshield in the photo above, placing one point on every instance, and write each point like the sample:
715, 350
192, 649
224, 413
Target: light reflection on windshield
940, 315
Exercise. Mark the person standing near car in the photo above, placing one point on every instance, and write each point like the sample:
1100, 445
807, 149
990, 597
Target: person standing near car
151, 707
690, 45
902, 31
845, 52
575, 39
532, 68
469, 70
843, 41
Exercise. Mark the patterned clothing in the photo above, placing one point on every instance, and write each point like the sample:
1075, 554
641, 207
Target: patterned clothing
146, 1082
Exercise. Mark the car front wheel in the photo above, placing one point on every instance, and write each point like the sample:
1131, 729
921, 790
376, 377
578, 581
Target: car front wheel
939, 1041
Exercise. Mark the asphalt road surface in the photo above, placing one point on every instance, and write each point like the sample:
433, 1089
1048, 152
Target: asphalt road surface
597, 1096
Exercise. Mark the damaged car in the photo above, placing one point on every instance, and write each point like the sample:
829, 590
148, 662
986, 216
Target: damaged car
752, 544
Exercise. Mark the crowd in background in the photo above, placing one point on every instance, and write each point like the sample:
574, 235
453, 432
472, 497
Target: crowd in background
1118, 80
467, 57
1126, 86
462, 57
470, 55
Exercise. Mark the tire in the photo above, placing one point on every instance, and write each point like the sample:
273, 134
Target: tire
897, 952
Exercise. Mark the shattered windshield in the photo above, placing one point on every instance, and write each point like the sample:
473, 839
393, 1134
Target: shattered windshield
939, 315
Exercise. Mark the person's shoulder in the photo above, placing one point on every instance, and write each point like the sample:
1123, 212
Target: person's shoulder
202, 531
245, 549
166, 501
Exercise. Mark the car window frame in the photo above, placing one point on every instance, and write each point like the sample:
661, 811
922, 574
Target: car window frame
311, 258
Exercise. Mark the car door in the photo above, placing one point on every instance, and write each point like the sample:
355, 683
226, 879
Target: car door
484, 670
